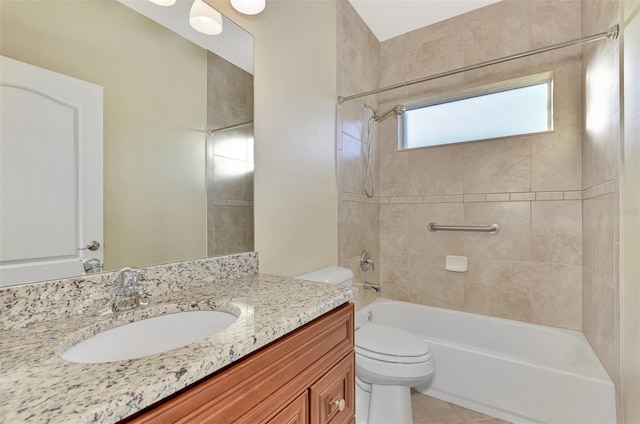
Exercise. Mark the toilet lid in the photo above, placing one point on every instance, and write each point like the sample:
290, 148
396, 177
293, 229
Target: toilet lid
380, 341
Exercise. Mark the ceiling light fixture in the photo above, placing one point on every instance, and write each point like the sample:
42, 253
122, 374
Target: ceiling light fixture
205, 19
249, 7
164, 2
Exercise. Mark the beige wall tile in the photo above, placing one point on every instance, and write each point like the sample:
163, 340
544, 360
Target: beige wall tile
394, 67
601, 165
496, 31
498, 166
357, 51
556, 232
354, 228
554, 22
373, 229
232, 227
587, 303
498, 288
352, 165
556, 160
394, 276
431, 284
394, 169
588, 224
601, 148
436, 170
514, 239
567, 86
606, 342
229, 180
603, 238
352, 119
434, 88
394, 228
557, 295
438, 244
434, 56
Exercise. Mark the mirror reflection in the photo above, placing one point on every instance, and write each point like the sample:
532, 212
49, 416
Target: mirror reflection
172, 157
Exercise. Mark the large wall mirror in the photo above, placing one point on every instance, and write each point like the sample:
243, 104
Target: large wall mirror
172, 142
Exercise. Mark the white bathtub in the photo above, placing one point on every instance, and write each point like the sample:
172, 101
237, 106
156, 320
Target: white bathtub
519, 372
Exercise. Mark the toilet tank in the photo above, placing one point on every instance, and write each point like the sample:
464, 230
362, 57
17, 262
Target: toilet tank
331, 274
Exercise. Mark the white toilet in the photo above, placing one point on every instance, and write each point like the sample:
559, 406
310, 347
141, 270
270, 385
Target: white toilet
389, 362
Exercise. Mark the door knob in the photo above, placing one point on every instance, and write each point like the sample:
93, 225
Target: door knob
93, 246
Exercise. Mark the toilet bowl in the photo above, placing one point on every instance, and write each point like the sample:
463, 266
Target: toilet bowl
389, 362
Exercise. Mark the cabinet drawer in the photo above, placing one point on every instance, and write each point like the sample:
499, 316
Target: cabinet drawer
295, 413
332, 397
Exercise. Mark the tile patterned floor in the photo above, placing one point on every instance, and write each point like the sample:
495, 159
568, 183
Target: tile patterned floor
428, 410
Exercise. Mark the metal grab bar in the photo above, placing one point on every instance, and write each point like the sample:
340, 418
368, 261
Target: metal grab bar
491, 229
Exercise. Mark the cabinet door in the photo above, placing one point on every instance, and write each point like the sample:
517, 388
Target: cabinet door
332, 397
296, 412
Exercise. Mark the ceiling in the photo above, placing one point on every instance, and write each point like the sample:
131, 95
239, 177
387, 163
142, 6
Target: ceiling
390, 18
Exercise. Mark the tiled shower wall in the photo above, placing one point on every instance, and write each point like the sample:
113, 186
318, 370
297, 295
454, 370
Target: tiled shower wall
555, 195
229, 158
530, 185
601, 181
357, 71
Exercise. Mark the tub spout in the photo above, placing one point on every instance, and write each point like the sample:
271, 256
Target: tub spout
372, 286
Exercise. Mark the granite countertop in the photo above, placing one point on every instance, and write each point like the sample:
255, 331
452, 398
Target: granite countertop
36, 385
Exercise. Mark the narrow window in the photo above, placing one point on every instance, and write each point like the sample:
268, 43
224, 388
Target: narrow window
512, 108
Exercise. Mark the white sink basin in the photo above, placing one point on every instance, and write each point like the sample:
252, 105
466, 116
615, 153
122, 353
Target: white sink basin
149, 336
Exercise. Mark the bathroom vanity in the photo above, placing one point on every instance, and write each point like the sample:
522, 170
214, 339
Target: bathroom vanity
307, 376
287, 358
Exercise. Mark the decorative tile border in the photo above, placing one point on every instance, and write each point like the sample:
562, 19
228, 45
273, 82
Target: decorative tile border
600, 190
471, 198
222, 202
595, 191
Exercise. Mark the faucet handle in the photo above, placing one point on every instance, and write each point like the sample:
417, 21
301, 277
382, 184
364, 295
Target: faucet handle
127, 278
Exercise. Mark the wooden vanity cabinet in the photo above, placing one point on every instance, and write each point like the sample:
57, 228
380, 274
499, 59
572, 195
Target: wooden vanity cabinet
307, 376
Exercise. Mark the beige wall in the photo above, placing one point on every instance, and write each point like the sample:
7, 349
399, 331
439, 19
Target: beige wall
529, 185
601, 170
630, 235
154, 118
358, 223
295, 132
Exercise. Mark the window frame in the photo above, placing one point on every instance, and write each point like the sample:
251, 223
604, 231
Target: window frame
479, 91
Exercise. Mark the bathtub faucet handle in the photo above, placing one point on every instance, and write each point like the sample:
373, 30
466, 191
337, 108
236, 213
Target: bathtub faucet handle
366, 262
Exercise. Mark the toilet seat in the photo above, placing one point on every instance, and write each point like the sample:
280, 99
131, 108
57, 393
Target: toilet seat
392, 345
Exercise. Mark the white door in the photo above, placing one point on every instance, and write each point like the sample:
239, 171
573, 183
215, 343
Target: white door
50, 173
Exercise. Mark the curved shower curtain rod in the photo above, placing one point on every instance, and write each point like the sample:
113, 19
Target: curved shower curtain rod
610, 34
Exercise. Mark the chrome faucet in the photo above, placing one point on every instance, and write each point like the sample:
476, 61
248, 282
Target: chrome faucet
129, 294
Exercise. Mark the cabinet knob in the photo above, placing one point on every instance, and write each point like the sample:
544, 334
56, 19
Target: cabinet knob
340, 404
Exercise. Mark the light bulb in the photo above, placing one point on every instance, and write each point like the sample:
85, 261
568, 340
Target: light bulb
205, 19
164, 2
249, 7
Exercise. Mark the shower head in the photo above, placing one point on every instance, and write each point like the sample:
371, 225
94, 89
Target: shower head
397, 109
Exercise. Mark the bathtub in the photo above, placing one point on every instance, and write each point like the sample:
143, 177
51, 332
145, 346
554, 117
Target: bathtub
519, 372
